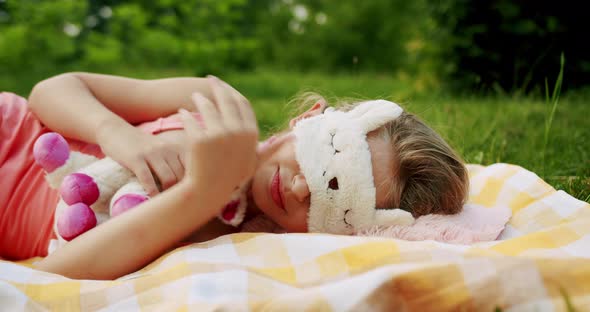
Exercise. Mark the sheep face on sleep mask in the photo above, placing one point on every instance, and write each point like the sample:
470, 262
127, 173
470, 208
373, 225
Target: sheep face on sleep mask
334, 156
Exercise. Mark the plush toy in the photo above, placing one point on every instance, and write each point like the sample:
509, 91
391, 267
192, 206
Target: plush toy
94, 190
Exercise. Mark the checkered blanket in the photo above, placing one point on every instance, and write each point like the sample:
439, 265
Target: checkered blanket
541, 263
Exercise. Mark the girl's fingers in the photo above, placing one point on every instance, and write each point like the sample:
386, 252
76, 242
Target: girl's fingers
190, 124
145, 177
248, 115
162, 171
175, 165
225, 103
211, 116
182, 159
243, 105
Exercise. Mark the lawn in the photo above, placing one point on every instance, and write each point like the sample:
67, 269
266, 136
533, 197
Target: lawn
484, 130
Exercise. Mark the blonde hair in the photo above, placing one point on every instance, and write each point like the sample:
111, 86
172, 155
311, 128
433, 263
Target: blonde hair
429, 175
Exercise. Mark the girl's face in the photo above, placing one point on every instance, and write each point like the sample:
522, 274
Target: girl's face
279, 188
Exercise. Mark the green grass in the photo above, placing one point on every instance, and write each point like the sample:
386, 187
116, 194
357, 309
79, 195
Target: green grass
484, 130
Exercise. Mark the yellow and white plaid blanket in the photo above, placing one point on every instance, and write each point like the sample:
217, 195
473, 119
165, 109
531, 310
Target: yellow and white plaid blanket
542, 263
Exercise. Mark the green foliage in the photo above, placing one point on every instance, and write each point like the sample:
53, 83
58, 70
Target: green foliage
511, 46
208, 36
345, 35
505, 46
35, 37
218, 35
100, 50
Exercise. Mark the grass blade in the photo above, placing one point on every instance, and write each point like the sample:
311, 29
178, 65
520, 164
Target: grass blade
554, 100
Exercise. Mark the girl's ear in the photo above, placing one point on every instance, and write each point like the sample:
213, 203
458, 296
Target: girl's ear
314, 110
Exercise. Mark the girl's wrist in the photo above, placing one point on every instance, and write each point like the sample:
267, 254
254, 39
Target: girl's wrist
111, 128
187, 190
200, 194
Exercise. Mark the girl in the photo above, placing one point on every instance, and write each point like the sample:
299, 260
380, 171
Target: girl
412, 167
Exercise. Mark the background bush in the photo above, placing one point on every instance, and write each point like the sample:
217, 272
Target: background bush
482, 45
513, 46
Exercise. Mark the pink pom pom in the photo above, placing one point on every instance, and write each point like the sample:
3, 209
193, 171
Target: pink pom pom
75, 220
230, 210
127, 202
51, 151
79, 188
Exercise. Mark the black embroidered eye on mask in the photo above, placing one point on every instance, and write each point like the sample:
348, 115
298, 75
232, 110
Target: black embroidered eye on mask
333, 184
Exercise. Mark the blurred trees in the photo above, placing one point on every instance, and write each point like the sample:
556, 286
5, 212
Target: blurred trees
36, 35
207, 35
513, 45
468, 44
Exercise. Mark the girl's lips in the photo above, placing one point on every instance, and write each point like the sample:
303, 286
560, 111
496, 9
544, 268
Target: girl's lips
275, 189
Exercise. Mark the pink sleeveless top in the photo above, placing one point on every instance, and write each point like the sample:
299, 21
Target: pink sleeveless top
27, 202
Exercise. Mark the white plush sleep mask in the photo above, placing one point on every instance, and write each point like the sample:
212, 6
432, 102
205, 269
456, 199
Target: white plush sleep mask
334, 156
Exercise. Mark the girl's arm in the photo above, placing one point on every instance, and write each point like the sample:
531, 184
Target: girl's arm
101, 109
80, 105
219, 158
132, 240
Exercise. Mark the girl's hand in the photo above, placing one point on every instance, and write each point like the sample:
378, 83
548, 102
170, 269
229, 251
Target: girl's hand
147, 156
221, 155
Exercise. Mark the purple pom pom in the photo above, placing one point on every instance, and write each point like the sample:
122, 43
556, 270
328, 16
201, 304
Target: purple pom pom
75, 220
79, 188
51, 151
127, 202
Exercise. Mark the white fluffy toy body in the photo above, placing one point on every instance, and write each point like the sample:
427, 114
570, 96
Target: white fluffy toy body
94, 190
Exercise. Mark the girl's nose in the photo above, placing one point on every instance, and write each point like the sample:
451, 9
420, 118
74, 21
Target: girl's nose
300, 188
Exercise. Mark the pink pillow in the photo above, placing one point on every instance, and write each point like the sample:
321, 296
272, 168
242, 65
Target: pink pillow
473, 224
